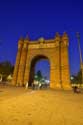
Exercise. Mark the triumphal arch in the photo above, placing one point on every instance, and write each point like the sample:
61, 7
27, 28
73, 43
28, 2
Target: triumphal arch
54, 50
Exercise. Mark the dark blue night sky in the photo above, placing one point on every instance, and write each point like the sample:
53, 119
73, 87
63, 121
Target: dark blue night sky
40, 18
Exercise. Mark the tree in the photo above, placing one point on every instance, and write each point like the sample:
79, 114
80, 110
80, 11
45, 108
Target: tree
6, 68
74, 79
77, 79
39, 75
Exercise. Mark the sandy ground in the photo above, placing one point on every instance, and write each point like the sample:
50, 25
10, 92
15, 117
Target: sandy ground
19, 106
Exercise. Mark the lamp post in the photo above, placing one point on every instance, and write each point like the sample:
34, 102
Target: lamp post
81, 64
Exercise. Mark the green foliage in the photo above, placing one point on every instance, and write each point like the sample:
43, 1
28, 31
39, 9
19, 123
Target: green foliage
79, 76
35, 77
77, 79
39, 75
6, 68
74, 80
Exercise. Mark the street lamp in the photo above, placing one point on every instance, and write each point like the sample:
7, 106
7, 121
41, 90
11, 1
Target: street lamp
81, 64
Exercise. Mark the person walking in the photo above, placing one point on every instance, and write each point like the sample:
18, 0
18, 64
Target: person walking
26, 85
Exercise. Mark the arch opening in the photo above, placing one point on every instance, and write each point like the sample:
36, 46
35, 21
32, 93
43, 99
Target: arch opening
39, 63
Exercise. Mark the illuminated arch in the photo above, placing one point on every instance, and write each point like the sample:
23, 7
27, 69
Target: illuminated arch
55, 50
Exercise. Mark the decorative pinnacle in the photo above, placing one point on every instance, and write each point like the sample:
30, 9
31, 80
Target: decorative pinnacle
21, 39
65, 36
27, 38
57, 36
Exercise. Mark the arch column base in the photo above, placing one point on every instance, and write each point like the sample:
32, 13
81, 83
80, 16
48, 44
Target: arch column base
13, 83
54, 85
66, 86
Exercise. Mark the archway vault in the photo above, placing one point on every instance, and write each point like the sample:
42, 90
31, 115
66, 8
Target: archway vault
32, 66
55, 50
